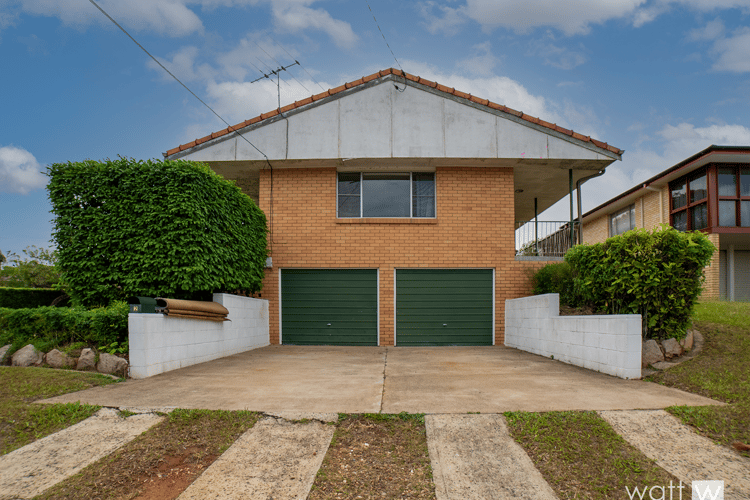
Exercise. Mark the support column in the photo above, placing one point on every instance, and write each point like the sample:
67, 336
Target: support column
730, 273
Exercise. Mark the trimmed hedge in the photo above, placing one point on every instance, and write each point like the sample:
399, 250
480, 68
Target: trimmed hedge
153, 228
657, 275
555, 278
21, 298
48, 327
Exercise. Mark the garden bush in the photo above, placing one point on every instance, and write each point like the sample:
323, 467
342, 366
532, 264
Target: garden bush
655, 274
48, 327
153, 228
21, 298
555, 278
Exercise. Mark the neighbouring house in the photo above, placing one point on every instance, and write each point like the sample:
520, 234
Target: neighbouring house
710, 192
392, 204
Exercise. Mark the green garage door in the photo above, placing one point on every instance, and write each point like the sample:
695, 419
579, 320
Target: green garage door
329, 307
443, 307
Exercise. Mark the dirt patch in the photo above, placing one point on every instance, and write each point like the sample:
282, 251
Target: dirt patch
162, 462
577, 311
376, 456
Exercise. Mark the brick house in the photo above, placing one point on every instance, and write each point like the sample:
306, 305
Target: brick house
710, 192
392, 202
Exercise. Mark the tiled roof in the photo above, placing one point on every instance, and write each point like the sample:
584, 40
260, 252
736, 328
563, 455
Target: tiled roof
417, 79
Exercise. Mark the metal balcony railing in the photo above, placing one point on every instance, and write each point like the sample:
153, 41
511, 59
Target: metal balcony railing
544, 238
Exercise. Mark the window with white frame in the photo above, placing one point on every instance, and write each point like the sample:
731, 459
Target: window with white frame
622, 221
376, 194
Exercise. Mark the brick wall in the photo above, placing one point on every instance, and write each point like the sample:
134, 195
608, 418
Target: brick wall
473, 229
711, 285
596, 231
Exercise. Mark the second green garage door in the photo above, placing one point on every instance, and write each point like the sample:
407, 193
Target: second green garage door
329, 307
444, 307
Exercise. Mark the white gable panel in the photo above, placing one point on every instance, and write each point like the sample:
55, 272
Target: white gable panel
518, 141
365, 123
561, 149
314, 133
417, 124
220, 151
270, 139
469, 132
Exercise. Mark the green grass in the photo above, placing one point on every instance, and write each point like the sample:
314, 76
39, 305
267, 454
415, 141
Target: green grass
23, 421
721, 372
581, 456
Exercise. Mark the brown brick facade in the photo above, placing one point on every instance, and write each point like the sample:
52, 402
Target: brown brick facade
474, 228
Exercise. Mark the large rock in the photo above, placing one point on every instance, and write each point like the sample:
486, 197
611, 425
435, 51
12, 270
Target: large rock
112, 365
672, 348
27, 356
651, 353
87, 360
4, 358
57, 359
687, 342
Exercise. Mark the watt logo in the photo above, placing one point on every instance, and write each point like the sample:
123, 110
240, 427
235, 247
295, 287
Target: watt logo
708, 490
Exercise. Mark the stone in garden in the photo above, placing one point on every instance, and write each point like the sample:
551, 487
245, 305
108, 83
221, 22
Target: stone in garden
27, 356
687, 342
57, 359
4, 354
651, 353
112, 365
672, 348
87, 361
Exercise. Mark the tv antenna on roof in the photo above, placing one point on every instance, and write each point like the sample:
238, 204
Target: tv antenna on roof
276, 72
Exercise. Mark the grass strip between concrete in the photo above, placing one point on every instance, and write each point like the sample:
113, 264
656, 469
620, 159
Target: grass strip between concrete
581, 456
21, 421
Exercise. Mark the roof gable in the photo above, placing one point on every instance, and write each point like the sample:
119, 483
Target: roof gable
366, 119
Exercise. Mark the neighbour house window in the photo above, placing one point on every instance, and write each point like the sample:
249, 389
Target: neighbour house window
734, 196
371, 194
622, 221
689, 206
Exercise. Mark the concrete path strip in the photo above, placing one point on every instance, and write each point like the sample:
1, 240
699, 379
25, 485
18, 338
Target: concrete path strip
474, 457
680, 451
28, 471
275, 460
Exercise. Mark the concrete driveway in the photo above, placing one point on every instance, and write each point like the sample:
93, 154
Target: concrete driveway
291, 379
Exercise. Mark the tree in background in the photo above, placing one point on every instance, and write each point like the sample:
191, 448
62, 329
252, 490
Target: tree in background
153, 228
36, 268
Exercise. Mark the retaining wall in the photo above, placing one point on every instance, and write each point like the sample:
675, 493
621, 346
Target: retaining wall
606, 343
159, 343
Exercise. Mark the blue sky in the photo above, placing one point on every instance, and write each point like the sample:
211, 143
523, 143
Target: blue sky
661, 79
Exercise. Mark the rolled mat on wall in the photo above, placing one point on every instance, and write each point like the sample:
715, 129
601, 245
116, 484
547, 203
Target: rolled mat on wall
194, 309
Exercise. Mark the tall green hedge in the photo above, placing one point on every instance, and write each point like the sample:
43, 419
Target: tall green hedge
153, 228
47, 327
18, 298
656, 274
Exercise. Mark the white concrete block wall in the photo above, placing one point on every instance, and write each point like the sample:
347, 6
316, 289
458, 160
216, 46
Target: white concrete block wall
159, 343
606, 343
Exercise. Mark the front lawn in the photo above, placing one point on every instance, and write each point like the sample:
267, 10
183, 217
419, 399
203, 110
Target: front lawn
721, 372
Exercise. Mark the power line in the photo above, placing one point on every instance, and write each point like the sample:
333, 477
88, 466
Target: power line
178, 80
300, 65
381, 34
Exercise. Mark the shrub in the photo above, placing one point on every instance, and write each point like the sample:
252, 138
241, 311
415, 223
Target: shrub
153, 228
35, 269
48, 327
21, 298
657, 275
555, 278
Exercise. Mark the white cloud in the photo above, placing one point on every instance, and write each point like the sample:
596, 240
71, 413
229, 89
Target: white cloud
19, 171
295, 16
165, 17
733, 52
573, 17
555, 55
448, 24
482, 63
711, 31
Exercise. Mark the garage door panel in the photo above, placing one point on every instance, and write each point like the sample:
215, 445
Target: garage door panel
329, 306
444, 307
